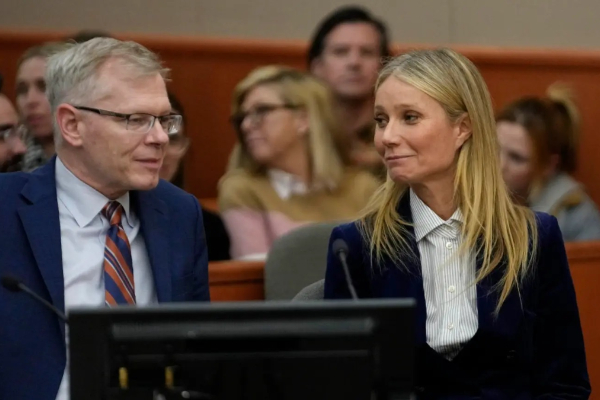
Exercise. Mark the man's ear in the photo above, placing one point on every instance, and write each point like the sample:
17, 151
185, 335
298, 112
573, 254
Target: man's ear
67, 119
464, 130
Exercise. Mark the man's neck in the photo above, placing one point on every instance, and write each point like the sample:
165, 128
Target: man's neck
356, 114
81, 173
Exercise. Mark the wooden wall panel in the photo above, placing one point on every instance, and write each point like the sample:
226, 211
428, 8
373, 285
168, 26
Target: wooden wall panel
584, 260
205, 72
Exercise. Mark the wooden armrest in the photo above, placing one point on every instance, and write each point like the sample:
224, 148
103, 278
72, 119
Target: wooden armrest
210, 204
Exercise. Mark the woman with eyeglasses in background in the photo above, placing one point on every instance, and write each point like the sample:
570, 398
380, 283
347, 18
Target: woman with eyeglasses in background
290, 166
539, 140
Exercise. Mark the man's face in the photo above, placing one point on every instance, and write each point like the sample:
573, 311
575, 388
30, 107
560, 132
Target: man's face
350, 60
116, 157
11, 145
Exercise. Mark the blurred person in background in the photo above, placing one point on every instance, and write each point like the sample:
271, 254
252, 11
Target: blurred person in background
172, 169
539, 139
217, 239
33, 106
346, 52
88, 34
12, 133
289, 167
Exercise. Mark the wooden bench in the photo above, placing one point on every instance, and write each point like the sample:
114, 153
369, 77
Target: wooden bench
236, 280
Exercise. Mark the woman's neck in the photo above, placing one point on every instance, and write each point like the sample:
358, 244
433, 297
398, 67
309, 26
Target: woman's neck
296, 162
438, 196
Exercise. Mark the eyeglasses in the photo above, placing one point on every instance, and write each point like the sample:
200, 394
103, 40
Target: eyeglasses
141, 122
12, 132
257, 114
178, 141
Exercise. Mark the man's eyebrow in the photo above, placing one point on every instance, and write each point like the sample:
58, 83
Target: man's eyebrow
6, 126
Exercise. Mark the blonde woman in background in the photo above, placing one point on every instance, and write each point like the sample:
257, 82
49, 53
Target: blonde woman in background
290, 165
496, 314
539, 141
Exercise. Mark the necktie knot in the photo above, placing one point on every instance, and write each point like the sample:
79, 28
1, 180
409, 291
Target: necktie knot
113, 212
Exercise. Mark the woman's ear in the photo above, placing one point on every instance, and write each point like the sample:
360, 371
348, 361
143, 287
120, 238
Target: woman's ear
68, 124
302, 122
463, 130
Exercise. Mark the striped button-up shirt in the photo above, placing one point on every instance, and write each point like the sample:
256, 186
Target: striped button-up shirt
448, 279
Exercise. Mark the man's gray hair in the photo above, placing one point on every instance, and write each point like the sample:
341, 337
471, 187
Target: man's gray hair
71, 74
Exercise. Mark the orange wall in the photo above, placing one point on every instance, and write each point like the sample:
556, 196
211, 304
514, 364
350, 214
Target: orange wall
206, 70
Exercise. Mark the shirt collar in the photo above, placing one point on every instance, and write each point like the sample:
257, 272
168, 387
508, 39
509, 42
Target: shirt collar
286, 184
81, 200
425, 220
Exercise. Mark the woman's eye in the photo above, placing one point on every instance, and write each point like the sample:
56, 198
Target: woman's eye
411, 118
380, 121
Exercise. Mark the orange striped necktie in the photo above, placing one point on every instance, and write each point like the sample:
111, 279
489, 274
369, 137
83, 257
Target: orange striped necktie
118, 267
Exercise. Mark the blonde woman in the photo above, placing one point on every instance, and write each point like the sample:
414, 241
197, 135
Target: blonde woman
289, 167
538, 151
496, 312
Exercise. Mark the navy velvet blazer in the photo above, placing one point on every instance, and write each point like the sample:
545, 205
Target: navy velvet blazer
532, 350
32, 339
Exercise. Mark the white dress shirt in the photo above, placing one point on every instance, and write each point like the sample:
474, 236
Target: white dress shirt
83, 234
448, 279
286, 184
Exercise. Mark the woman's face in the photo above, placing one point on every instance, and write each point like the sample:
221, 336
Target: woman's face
270, 130
516, 151
32, 102
176, 149
414, 136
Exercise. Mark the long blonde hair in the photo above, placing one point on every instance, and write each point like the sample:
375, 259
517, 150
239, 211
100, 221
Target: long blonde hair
499, 231
327, 151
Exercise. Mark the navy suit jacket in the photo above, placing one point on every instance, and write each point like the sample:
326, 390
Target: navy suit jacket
532, 350
32, 341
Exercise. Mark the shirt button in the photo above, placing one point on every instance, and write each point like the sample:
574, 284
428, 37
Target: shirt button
452, 289
449, 246
450, 326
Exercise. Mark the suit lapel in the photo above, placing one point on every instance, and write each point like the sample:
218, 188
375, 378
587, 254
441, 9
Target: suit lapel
154, 221
509, 318
40, 219
415, 289
409, 276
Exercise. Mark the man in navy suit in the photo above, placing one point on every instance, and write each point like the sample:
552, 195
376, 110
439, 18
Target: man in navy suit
94, 226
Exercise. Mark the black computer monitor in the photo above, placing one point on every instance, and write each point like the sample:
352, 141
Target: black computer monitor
252, 350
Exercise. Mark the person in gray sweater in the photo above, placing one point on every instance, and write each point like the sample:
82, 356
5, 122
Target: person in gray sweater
538, 140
